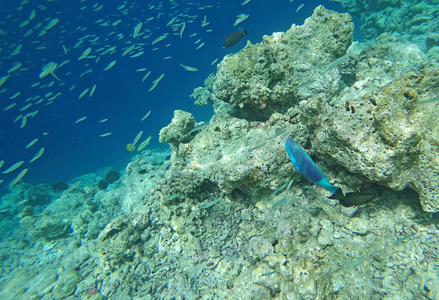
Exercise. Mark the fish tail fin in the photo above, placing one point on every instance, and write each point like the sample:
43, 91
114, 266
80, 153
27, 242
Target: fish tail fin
338, 194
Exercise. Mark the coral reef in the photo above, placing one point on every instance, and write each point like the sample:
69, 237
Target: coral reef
178, 130
213, 219
268, 77
362, 124
388, 136
415, 20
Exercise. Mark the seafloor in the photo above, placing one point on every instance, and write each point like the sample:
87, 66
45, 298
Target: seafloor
207, 219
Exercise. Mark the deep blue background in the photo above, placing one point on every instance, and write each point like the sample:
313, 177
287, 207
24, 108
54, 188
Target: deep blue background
75, 149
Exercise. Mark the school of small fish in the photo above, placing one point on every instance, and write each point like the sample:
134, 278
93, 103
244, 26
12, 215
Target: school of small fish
65, 45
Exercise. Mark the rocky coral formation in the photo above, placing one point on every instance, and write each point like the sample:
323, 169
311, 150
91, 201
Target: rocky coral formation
178, 130
234, 156
368, 122
388, 136
415, 20
148, 247
270, 76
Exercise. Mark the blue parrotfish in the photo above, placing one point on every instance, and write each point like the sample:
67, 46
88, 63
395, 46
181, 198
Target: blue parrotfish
306, 167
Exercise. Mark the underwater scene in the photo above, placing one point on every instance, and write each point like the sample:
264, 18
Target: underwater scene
219, 149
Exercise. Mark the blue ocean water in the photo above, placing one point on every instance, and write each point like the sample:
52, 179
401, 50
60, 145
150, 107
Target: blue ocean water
72, 149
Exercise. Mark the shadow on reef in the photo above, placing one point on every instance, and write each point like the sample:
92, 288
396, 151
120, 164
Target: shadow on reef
110, 178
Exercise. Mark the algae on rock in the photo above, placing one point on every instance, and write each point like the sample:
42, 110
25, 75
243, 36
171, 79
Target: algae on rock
387, 136
360, 116
267, 77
